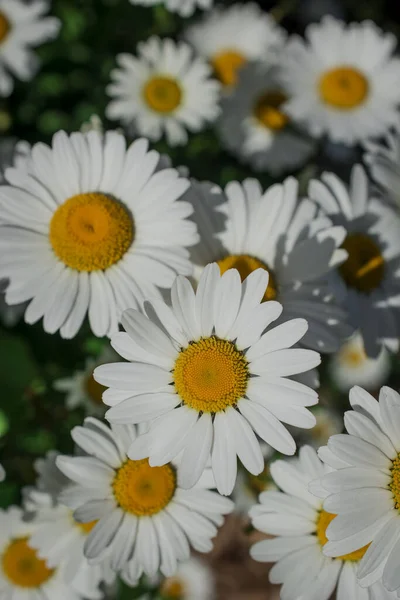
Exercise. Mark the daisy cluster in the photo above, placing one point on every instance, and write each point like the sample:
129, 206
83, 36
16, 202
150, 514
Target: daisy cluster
186, 344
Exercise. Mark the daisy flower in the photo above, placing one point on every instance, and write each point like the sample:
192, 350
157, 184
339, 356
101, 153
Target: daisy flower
82, 389
165, 89
343, 80
22, 27
13, 153
369, 280
383, 160
254, 127
89, 228
365, 490
50, 479
298, 520
144, 519
351, 366
184, 8
247, 228
23, 574
230, 37
209, 375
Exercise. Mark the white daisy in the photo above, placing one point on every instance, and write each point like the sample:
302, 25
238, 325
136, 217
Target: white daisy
254, 127
50, 479
145, 520
13, 153
89, 228
299, 522
246, 228
365, 490
229, 37
369, 280
351, 366
343, 80
165, 89
23, 574
23, 26
184, 8
82, 389
383, 159
210, 375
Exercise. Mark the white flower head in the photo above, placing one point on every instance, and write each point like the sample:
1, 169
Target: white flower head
343, 80
254, 127
383, 160
164, 89
230, 37
145, 521
209, 376
23, 26
184, 8
368, 282
88, 228
247, 228
351, 366
298, 520
364, 491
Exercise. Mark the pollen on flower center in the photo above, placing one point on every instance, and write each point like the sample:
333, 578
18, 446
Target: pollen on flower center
395, 482
23, 567
343, 88
94, 390
364, 268
91, 232
5, 27
143, 490
173, 588
353, 357
246, 264
226, 65
267, 110
162, 94
210, 375
323, 521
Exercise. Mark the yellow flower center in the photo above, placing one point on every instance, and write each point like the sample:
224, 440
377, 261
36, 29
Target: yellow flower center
143, 490
173, 588
86, 528
364, 268
246, 264
94, 390
267, 110
323, 521
5, 27
210, 375
162, 94
343, 88
353, 357
394, 485
226, 66
23, 567
91, 232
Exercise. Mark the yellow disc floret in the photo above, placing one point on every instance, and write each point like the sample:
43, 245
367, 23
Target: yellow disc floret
91, 232
162, 94
143, 490
395, 482
22, 566
226, 65
210, 375
173, 588
364, 268
267, 110
246, 264
86, 528
5, 27
343, 88
323, 521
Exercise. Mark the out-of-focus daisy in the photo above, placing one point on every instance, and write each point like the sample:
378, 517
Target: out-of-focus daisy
89, 228
2, 473
328, 422
248, 487
351, 366
165, 89
383, 159
82, 389
248, 229
13, 153
145, 520
369, 280
23, 26
230, 37
50, 479
297, 518
254, 127
343, 80
212, 374
23, 574
365, 490
184, 8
